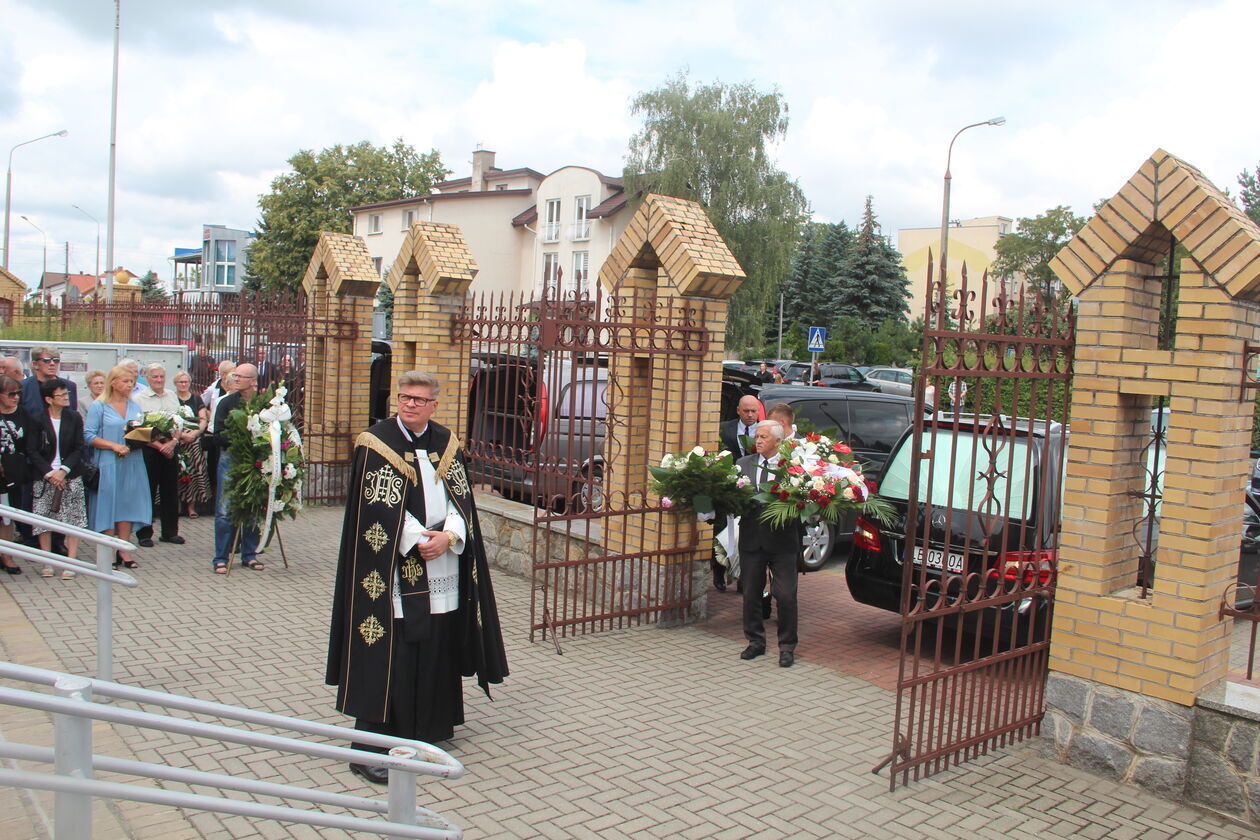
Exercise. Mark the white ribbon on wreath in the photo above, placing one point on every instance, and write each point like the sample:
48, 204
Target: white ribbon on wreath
273, 417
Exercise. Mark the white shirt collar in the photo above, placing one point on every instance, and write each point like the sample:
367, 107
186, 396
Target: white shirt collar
407, 433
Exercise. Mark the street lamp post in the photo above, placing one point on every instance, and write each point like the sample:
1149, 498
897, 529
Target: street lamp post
98, 238
8, 186
945, 208
44, 273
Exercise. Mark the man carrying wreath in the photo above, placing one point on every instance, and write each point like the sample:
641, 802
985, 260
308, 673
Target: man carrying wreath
763, 548
413, 608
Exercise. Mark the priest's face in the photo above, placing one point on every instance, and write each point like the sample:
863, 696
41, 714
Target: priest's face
416, 405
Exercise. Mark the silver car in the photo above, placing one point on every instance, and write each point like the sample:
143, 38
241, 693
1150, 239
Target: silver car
892, 380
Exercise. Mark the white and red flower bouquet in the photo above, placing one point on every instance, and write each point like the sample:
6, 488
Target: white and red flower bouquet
818, 478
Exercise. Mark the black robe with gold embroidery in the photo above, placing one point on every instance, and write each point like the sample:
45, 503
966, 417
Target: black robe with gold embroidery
384, 482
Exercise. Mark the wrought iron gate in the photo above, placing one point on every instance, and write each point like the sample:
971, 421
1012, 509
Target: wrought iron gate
555, 421
980, 550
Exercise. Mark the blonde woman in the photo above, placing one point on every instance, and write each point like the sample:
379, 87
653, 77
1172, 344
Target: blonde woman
122, 499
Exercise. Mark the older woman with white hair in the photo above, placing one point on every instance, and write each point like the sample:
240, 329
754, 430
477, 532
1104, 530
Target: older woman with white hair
160, 460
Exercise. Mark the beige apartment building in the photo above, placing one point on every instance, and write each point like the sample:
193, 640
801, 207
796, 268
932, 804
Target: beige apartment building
527, 231
971, 241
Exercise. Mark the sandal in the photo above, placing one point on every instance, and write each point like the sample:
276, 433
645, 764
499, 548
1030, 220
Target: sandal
67, 575
14, 569
120, 563
252, 564
220, 567
46, 571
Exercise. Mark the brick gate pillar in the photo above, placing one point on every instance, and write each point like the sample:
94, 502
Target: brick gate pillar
430, 278
1127, 668
669, 259
340, 286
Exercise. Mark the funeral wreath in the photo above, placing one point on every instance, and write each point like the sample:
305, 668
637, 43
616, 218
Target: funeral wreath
701, 481
818, 479
265, 479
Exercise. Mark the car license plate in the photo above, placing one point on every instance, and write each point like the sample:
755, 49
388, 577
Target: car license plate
936, 559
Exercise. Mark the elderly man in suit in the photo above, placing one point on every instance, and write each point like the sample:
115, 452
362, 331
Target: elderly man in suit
732, 432
763, 547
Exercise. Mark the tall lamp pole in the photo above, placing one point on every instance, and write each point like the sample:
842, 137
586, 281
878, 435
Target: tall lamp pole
44, 273
8, 186
945, 208
98, 238
113, 157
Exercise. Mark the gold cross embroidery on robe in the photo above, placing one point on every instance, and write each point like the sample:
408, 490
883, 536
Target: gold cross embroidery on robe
375, 536
373, 584
371, 630
412, 571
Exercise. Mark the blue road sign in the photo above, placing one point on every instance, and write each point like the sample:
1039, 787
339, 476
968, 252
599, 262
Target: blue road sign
817, 339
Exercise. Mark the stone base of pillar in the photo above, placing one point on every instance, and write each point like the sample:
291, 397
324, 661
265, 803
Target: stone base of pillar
1207, 756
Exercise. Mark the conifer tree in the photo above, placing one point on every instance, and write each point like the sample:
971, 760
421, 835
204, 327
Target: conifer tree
873, 285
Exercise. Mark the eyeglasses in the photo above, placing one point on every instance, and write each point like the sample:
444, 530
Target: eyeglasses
408, 399
10, 393
49, 359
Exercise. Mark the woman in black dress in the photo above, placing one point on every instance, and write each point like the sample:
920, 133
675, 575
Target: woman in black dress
194, 483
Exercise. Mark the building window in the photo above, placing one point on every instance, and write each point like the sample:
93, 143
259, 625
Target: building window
577, 280
224, 266
374, 223
409, 218
582, 225
500, 186
551, 273
551, 227
376, 264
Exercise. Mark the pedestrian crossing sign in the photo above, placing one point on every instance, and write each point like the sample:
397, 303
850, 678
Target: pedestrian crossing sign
817, 339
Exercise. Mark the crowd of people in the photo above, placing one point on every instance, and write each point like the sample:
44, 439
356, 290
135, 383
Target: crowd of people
64, 455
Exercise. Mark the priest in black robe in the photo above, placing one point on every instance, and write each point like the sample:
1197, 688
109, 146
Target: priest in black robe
413, 609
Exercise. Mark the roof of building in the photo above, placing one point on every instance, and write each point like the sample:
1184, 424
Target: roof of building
83, 282
421, 199
492, 172
189, 256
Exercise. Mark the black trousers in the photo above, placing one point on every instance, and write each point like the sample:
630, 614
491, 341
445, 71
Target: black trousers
426, 697
164, 487
752, 578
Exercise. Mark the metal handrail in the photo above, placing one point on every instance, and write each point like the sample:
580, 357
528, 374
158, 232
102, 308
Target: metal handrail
103, 571
73, 711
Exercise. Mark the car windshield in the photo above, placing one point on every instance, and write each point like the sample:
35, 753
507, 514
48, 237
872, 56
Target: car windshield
966, 489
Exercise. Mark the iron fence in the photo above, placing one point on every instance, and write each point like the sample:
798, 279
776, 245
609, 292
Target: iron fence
271, 331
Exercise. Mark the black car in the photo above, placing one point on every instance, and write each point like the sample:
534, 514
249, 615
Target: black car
1021, 538
869, 422
830, 374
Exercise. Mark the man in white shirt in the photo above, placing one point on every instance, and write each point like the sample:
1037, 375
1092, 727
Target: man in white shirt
160, 460
413, 609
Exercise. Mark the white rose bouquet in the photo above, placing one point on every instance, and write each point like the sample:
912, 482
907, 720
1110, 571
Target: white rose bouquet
701, 481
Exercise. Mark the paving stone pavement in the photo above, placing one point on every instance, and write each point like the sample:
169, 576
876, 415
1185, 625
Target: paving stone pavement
644, 733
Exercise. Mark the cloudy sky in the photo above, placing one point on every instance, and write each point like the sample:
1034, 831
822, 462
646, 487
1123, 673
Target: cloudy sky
214, 97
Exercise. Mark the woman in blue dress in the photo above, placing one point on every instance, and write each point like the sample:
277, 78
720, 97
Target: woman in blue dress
121, 500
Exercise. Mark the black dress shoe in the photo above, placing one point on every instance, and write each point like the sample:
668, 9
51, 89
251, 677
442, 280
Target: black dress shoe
786, 658
177, 539
146, 543
375, 775
752, 652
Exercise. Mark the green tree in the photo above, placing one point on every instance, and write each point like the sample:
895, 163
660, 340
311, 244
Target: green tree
872, 284
151, 290
1034, 243
810, 294
711, 144
1249, 180
316, 194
